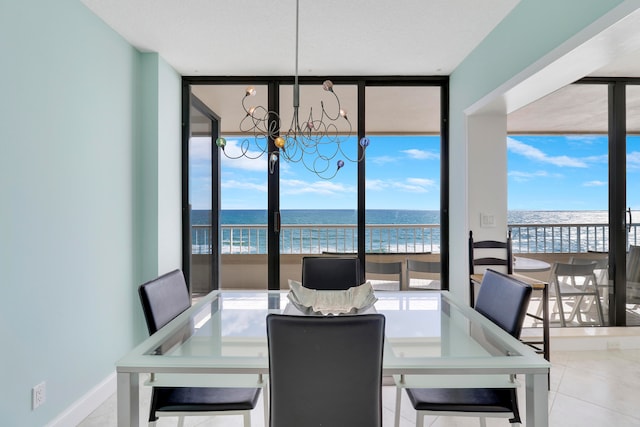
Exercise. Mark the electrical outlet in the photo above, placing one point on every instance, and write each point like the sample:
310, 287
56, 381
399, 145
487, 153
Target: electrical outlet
38, 395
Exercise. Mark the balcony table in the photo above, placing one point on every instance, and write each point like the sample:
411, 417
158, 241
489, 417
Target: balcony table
529, 265
428, 333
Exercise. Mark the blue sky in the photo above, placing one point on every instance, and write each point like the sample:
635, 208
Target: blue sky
544, 173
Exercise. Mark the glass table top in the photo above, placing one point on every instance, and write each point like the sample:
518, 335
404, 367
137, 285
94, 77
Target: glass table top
424, 330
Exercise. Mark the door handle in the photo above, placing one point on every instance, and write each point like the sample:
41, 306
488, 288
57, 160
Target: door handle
276, 222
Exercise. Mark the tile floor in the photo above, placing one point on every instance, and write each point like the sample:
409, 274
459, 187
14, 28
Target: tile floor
588, 388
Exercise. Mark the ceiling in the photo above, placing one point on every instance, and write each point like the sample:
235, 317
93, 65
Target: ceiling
360, 37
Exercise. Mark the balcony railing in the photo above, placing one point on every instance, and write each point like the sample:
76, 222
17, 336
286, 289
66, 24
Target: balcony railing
404, 238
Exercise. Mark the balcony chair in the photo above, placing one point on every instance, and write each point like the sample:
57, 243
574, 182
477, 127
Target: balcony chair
325, 370
426, 271
601, 270
385, 268
504, 301
483, 253
330, 273
578, 283
633, 275
163, 299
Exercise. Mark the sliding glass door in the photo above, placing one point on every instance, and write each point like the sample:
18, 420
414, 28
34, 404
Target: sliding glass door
267, 207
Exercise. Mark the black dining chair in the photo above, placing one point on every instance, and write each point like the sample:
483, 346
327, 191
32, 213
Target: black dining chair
330, 273
325, 370
163, 299
503, 300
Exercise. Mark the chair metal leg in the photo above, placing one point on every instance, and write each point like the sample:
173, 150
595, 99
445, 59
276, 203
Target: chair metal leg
560, 306
483, 422
181, 421
247, 419
397, 412
265, 404
419, 419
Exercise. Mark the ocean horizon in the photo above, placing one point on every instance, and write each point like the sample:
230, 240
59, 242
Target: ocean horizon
396, 230
390, 216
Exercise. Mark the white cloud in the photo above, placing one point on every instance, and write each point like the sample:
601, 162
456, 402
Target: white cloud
381, 160
422, 182
200, 148
594, 184
520, 176
536, 154
255, 163
412, 185
376, 184
295, 186
421, 154
243, 185
633, 160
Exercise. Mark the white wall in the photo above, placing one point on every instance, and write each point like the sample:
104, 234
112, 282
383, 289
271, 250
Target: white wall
70, 205
159, 160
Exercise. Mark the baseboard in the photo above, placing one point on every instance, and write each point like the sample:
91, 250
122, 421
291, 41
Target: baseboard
594, 338
88, 403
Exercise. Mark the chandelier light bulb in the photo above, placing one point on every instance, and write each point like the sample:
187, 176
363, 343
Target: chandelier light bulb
279, 142
221, 142
364, 142
340, 164
327, 85
251, 110
343, 113
251, 91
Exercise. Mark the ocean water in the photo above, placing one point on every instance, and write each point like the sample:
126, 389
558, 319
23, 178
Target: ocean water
310, 216
244, 231
391, 216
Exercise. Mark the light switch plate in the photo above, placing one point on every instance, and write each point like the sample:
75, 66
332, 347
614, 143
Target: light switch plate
487, 220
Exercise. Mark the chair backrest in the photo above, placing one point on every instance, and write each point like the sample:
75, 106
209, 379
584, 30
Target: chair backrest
427, 267
330, 273
423, 266
394, 268
163, 299
325, 370
503, 300
490, 260
567, 274
600, 268
633, 264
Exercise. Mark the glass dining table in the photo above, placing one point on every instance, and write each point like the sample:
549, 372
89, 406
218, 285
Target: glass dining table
221, 341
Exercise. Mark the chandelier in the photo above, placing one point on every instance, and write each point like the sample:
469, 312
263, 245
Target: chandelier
314, 141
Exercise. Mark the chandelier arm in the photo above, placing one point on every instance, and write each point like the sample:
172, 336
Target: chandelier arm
244, 147
338, 114
307, 142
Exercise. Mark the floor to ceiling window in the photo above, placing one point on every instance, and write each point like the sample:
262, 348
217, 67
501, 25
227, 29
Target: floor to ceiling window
403, 185
270, 212
569, 195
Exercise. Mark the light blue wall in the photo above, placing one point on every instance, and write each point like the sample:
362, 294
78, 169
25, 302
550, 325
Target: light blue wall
71, 173
530, 31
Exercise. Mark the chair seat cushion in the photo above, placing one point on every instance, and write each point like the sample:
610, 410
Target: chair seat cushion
186, 399
462, 399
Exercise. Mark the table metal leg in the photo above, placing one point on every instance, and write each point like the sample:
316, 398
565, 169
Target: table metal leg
128, 395
537, 398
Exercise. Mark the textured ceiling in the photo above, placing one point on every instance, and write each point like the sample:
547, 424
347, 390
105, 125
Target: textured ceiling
360, 37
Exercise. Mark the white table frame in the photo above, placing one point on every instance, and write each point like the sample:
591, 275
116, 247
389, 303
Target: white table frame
523, 361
